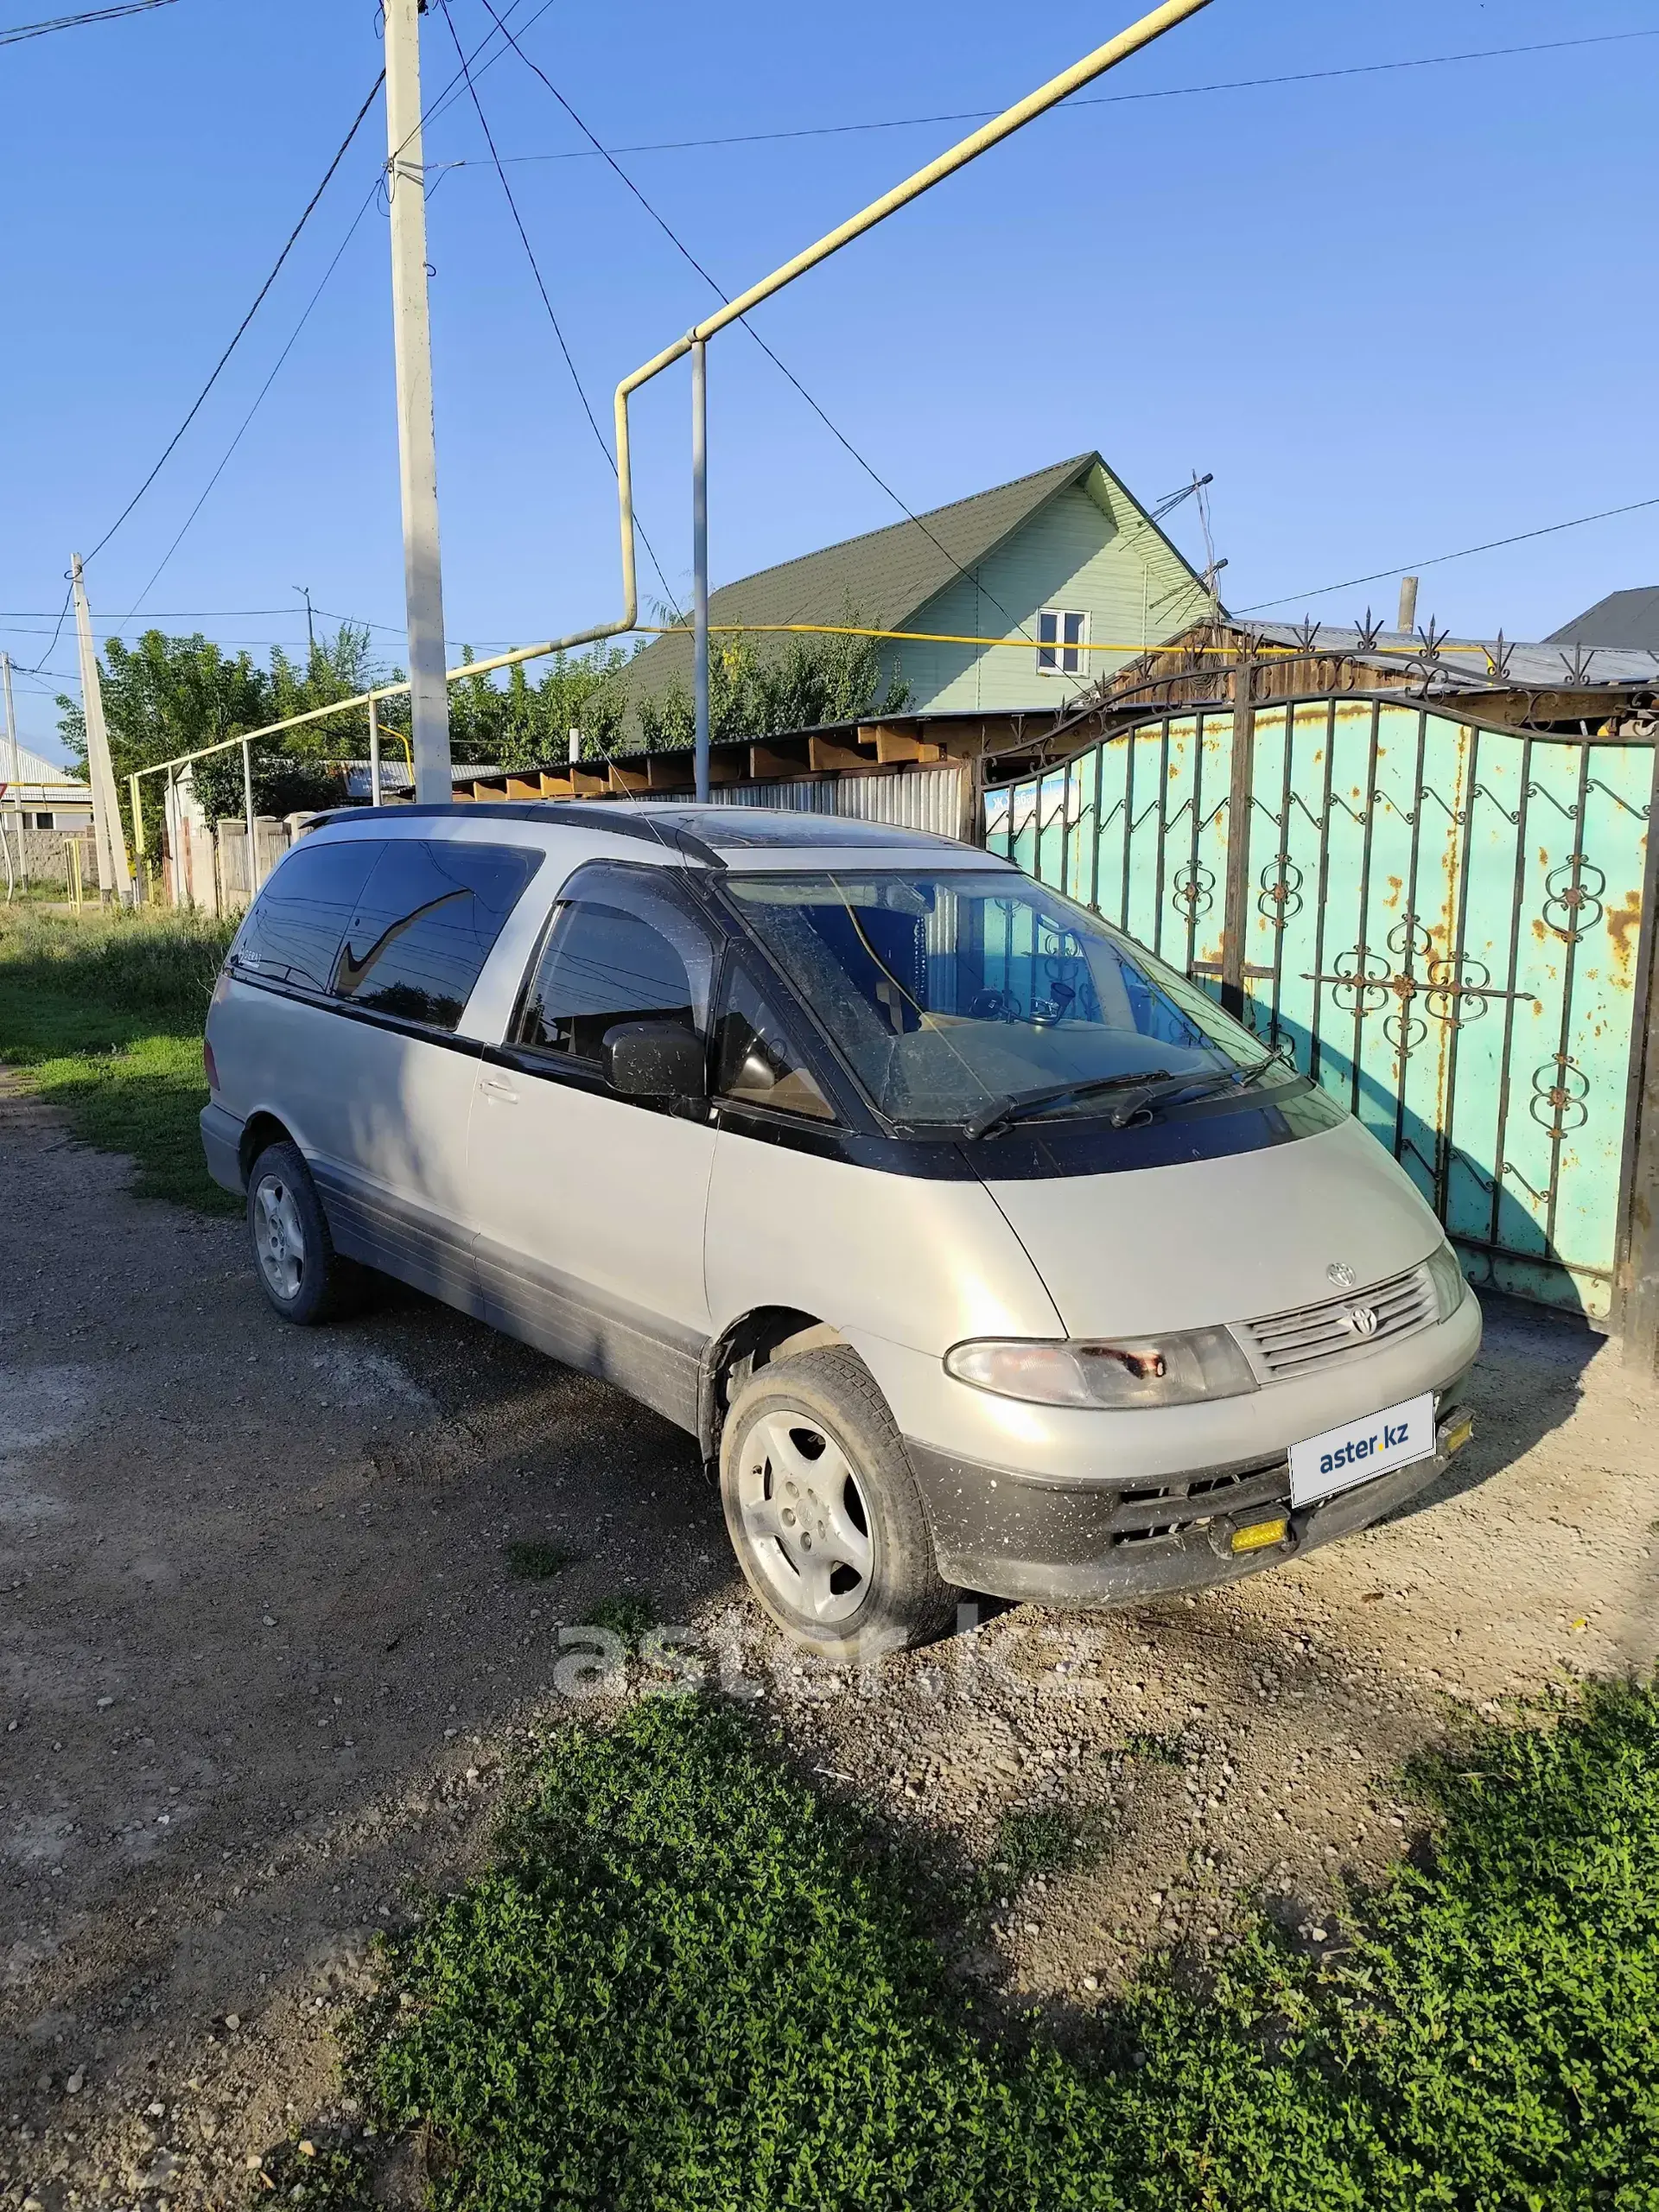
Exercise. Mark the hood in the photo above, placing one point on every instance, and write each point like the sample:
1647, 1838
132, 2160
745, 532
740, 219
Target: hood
1218, 1240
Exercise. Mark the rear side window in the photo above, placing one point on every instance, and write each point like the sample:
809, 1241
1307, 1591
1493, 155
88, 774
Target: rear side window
425, 924
293, 931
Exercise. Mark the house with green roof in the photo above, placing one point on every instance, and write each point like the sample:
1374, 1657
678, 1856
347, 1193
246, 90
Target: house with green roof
1015, 600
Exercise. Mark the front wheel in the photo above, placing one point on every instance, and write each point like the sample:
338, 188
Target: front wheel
823, 1512
294, 1256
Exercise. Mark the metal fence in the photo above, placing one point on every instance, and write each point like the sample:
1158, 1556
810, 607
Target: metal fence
1442, 920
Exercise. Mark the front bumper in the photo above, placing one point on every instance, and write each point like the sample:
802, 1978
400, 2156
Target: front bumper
1004, 1535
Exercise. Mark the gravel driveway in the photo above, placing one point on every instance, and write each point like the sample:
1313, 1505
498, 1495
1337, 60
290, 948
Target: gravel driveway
264, 1667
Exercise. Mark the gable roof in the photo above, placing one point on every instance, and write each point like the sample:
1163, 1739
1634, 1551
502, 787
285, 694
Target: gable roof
35, 772
887, 575
1628, 618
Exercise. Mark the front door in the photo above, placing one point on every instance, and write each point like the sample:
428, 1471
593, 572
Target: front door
590, 1207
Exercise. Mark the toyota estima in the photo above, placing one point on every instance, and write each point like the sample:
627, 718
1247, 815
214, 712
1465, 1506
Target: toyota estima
978, 1249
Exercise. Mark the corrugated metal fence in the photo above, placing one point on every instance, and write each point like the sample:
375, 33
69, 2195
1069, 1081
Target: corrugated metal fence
932, 798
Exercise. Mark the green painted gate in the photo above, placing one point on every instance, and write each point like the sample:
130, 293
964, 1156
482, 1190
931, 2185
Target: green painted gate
1441, 918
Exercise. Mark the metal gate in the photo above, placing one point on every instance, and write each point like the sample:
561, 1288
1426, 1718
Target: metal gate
1442, 920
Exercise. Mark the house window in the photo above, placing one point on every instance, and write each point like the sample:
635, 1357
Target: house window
1061, 639
43, 822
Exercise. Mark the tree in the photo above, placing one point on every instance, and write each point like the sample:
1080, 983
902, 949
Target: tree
813, 682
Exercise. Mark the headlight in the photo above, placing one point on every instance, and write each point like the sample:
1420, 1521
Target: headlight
1447, 1278
1167, 1370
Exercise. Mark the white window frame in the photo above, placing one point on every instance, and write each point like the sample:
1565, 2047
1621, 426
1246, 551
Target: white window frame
1062, 654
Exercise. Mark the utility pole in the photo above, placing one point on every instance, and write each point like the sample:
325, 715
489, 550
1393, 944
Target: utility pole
699, 559
17, 773
428, 694
304, 591
112, 873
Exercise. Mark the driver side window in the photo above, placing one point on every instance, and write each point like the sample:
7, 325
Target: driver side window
619, 949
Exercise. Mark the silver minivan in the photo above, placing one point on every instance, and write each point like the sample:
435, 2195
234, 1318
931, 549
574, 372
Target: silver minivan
978, 1249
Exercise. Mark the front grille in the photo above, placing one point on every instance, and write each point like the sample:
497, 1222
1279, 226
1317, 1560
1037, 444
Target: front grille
1285, 1346
1178, 1507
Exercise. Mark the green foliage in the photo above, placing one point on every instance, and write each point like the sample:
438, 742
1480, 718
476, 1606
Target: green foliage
1032, 1842
1158, 1751
751, 693
686, 1985
324, 2177
690, 1982
166, 697
104, 1015
631, 1614
283, 784
537, 1562
170, 695
521, 724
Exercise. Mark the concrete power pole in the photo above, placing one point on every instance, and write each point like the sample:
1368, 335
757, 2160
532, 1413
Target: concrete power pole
17, 767
429, 695
112, 873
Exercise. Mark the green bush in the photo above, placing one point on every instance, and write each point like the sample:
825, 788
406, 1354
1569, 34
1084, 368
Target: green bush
691, 1982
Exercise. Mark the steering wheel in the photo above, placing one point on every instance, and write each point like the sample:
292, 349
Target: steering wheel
994, 1006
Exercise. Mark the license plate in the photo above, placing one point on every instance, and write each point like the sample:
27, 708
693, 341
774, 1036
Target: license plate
1359, 1449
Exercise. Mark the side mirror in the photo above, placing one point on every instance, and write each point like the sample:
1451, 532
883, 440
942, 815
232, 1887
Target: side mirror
654, 1059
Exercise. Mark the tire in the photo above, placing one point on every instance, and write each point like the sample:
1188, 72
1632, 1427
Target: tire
846, 1566
303, 1278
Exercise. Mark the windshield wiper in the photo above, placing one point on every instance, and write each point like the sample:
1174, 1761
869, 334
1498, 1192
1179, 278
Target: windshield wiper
1016, 1104
1154, 1091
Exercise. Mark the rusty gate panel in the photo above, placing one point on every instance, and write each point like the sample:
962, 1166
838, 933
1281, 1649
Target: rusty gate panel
1442, 921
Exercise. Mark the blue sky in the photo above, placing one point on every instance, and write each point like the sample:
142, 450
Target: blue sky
1396, 314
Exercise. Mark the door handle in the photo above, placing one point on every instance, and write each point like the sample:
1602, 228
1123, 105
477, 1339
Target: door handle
499, 1092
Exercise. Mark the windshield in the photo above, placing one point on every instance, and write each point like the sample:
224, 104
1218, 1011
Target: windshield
949, 992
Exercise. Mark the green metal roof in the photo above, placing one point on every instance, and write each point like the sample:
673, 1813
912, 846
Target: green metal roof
885, 574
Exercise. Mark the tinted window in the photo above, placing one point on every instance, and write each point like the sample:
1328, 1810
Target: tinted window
757, 1061
294, 930
621, 950
425, 923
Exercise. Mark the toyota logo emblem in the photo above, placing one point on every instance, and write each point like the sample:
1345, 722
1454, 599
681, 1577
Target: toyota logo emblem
1362, 1320
1342, 1275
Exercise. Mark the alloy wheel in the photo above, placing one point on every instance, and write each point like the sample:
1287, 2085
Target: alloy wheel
279, 1237
806, 1517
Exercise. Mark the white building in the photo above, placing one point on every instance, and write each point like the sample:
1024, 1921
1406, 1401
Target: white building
47, 795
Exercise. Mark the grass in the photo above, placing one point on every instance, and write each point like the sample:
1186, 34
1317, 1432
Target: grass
327, 2176
102, 1015
630, 1614
1036, 1840
531, 1561
689, 1981
1157, 1750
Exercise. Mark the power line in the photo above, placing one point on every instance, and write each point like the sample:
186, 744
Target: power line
20, 31
529, 254
259, 401
1411, 568
437, 104
196, 405
1098, 99
293, 236
686, 252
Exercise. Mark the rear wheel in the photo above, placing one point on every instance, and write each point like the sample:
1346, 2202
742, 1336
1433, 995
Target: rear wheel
823, 1511
302, 1276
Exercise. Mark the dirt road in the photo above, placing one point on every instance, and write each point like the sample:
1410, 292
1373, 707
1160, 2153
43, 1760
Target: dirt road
264, 1665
